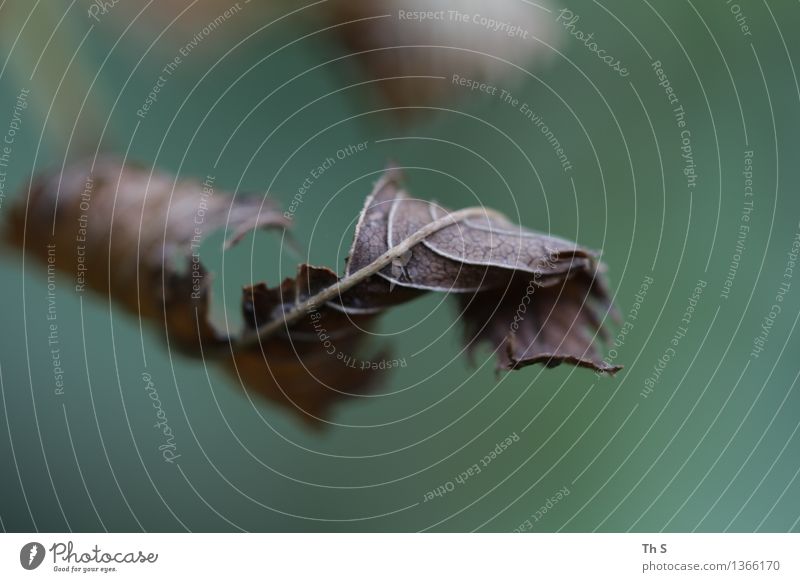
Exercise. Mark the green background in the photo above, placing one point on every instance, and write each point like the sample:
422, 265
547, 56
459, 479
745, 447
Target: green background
713, 448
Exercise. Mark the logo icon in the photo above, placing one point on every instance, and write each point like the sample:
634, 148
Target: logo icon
31, 555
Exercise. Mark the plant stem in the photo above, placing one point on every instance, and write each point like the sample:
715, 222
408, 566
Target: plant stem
252, 338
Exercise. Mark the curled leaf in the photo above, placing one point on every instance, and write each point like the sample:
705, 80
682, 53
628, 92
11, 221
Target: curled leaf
533, 298
134, 235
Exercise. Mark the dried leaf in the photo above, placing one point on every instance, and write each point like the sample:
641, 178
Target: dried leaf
134, 235
533, 298
413, 48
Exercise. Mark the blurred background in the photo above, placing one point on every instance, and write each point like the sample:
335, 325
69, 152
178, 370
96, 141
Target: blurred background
663, 134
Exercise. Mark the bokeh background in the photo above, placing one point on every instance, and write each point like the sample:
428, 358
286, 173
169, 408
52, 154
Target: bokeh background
258, 104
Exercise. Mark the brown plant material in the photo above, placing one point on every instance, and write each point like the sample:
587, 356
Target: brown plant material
408, 60
533, 298
414, 49
130, 234
133, 235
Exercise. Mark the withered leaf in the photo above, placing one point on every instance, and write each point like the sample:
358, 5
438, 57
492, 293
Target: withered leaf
530, 297
533, 298
415, 62
142, 231
131, 233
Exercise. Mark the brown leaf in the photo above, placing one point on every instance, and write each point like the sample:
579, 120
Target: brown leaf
533, 298
312, 363
134, 235
413, 49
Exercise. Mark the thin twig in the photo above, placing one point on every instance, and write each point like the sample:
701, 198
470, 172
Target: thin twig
252, 338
